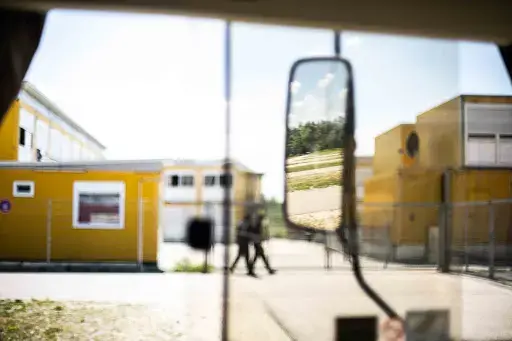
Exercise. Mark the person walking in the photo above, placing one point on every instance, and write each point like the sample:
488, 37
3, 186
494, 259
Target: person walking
243, 240
258, 236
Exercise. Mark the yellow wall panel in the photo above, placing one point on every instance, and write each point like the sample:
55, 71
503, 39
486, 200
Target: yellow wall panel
24, 229
474, 220
440, 132
387, 157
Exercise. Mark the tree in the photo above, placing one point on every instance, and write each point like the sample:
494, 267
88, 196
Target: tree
315, 136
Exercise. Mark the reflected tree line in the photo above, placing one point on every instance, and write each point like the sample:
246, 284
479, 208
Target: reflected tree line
315, 136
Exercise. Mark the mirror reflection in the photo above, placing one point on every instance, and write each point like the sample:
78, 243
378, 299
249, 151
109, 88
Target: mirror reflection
314, 156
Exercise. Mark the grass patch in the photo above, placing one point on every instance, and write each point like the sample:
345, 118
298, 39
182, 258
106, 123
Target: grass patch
301, 168
277, 226
324, 180
185, 265
328, 151
30, 320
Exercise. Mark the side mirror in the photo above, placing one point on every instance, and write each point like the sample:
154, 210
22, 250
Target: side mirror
320, 163
319, 159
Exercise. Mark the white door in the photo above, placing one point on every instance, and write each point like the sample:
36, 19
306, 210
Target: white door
216, 212
175, 219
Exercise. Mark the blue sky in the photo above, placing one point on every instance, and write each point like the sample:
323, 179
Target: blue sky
151, 86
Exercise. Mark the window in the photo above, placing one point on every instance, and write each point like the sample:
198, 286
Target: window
66, 146
505, 150
55, 144
98, 204
187, 181
25, 138
223, 181
210, 180
23, 189
481, 150
42, 135
22, 137
76, 151
183, 180
173, 181
489, 142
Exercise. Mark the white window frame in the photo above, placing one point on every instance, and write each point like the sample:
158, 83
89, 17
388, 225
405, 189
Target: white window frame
99, 187
18, 194
469, 135
501, 141
482, 137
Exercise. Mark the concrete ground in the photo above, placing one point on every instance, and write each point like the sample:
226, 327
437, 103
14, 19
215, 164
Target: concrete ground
303, 301
283, 254
314, 200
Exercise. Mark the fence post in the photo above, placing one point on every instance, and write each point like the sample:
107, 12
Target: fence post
49, 232
140, 231
327, 251
445, 224
389, 246
492, 241
466, 246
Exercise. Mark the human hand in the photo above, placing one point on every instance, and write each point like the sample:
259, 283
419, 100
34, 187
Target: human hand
392, 330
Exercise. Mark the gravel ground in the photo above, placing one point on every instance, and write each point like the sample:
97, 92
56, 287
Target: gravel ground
50, 320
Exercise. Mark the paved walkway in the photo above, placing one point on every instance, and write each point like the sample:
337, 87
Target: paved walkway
314, 200
304, 302
283, 254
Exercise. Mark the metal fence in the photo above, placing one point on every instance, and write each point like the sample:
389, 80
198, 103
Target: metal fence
472, 237
391, 235
481, 238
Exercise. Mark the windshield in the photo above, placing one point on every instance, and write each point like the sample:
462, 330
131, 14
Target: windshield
131, 108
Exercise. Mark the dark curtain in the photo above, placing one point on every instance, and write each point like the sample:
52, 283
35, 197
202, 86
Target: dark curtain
20, 34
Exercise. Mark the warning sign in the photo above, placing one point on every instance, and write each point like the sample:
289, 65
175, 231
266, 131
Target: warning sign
5, 206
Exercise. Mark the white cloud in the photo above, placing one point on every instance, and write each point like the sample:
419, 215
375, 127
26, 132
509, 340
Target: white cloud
295, 86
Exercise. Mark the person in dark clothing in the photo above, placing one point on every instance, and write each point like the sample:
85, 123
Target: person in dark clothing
258, 236
243, 240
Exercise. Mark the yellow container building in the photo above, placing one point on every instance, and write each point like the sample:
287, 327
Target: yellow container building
459, 152
111, 211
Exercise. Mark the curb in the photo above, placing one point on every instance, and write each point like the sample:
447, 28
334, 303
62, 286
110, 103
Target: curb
57, 267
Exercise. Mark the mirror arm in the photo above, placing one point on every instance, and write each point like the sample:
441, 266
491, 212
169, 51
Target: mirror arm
350, 208
356, 267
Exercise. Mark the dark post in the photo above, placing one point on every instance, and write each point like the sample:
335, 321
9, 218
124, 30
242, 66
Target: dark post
356, 328
227, 184
444, 223
337, 43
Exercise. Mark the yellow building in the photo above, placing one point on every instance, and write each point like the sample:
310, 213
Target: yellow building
110, 211
459, 152
35, 129
196, 188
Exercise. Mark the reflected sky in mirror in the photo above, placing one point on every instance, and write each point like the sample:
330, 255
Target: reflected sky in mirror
318, 92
